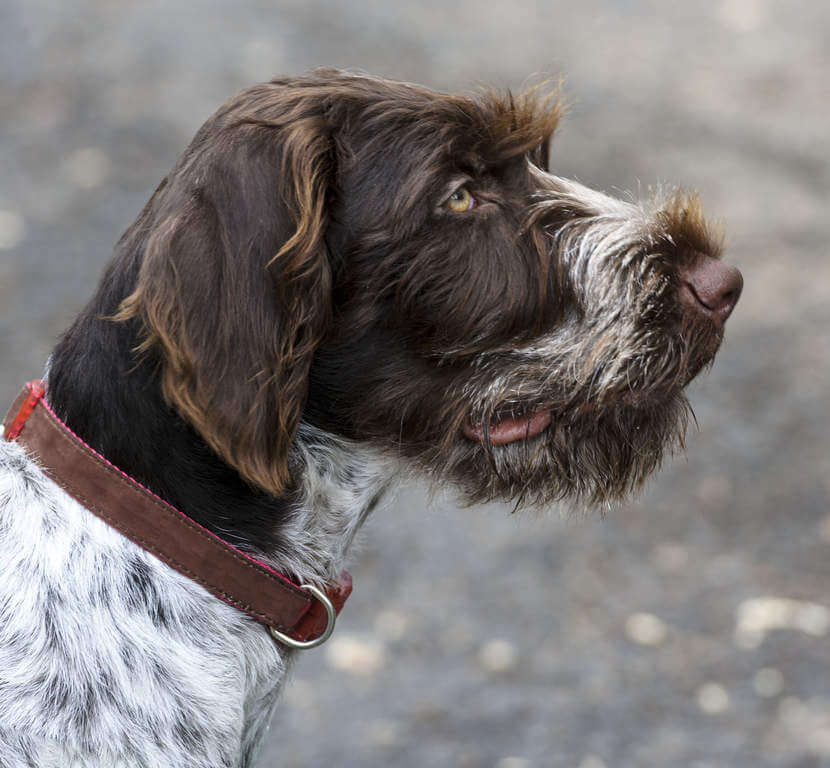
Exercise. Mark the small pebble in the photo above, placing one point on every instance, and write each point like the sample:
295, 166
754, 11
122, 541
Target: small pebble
760, 615
712, 698
645, 629
355, 655
497, 656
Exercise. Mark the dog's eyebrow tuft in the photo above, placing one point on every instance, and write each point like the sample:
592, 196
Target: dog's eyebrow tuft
513, 125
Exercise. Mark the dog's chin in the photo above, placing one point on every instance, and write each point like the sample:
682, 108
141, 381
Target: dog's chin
585, 456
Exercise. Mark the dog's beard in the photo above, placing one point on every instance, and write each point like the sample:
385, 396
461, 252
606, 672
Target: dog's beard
601, 443
588, 458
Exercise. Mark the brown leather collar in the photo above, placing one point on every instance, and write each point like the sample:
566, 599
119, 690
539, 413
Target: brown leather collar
295, 616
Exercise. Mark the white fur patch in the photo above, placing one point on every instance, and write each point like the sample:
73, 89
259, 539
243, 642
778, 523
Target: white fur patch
110, 658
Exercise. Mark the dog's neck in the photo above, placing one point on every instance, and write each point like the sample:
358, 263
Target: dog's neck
116, 406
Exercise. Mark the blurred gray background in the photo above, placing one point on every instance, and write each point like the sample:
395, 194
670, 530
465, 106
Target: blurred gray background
689, 627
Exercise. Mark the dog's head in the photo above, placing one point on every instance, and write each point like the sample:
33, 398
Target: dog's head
398, 266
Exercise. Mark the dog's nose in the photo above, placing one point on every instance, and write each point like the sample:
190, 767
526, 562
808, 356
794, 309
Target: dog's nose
711, 286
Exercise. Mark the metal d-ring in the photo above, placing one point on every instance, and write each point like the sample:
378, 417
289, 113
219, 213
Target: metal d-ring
330, 613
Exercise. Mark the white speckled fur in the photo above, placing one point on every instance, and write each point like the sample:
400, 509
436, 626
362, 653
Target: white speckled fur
89, 674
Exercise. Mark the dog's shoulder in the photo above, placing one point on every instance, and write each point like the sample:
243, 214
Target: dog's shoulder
108, 656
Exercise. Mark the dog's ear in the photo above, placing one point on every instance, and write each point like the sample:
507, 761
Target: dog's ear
234, 284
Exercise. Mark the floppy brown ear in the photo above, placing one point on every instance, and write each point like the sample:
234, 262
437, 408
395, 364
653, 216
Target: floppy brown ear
234, 284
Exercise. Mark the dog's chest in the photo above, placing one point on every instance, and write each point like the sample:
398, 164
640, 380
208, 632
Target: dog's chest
109, 657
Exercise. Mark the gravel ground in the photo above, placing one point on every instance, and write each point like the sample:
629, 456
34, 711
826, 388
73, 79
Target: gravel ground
687, 628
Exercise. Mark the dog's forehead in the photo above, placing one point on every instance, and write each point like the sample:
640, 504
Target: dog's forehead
493, 125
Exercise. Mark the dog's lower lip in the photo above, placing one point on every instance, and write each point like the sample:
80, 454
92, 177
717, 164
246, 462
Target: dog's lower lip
510, 429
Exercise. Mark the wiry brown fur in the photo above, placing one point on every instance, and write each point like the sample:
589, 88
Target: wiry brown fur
299, 263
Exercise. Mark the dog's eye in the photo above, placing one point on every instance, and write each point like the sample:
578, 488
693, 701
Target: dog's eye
461, 200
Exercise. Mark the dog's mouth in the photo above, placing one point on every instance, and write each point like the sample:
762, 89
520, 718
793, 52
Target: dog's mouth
511, 425
509, 428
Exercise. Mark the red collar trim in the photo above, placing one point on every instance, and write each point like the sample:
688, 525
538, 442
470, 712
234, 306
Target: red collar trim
297, 615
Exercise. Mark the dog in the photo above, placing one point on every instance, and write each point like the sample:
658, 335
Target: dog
343, 279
